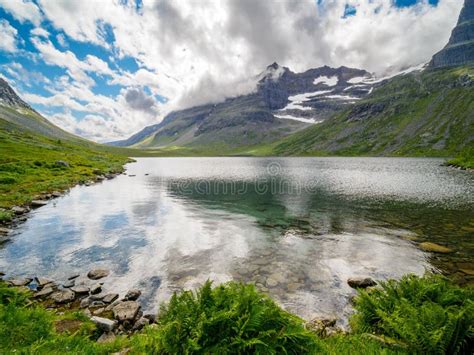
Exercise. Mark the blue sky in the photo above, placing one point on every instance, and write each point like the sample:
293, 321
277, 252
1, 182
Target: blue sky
106, 69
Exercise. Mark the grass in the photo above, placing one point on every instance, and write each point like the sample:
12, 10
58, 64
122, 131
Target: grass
410, 316
31, 329
28, 165
464, 160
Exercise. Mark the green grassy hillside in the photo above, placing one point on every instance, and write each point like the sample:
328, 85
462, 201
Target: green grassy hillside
28, 164
420, 114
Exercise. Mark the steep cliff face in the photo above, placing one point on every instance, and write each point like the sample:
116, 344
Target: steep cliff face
8, 97
460, 48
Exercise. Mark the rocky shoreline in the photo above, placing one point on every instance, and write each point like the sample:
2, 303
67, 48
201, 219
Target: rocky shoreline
113, 315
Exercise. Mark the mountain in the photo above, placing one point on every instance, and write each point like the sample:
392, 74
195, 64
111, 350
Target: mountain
13, 110
428, 112
460, 48
283, 102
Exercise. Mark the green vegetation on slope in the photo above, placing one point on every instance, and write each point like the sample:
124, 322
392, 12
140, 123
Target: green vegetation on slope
28, 164
464, 160
418, 114
413, 315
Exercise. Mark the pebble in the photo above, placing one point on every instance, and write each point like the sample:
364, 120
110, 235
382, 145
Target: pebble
45, 292
104, 323
361, 282
107, 337
72, 277
434, 248
63, 296
69, 283
95, 289
41, 281
38, 203
19, 210
85, 302
80, 289
111, 297
132, 295
97, 274
19, 282
126, 311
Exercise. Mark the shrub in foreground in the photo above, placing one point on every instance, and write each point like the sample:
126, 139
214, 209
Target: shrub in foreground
231, 318
426, 314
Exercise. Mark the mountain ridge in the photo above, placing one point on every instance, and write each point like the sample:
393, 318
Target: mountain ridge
284, 102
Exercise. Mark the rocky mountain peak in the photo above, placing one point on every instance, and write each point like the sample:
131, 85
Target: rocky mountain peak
274, 66
8, 96
460, 48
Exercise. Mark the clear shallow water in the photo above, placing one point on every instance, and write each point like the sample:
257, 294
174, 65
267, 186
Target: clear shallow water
297, 227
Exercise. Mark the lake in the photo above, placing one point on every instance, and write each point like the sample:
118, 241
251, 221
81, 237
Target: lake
296, 227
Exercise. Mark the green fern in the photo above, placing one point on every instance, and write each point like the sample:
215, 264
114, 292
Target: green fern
231, 318
428, 314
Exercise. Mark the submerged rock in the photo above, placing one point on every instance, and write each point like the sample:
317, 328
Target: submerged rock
126, 311
361, 282
72, 277
434, 248
97, 274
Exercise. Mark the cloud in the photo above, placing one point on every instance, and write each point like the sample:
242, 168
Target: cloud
75, 68
9, 37
23, 10
138, 100
62, 40
199, 52
226, 42
129, 111
24, 76
40, 32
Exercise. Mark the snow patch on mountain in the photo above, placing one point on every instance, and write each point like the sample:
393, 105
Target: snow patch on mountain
296, 101
328, 81
300, 119
343, 97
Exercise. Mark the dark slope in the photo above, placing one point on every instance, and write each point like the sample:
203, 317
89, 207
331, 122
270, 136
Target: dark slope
460, 48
